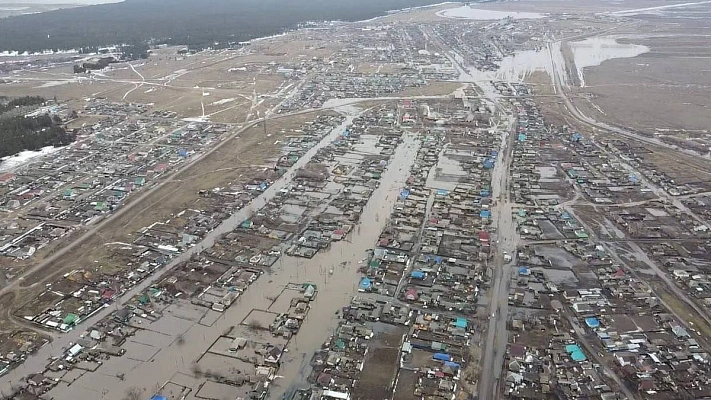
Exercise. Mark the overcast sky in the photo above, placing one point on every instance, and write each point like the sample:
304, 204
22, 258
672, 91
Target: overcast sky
35, 2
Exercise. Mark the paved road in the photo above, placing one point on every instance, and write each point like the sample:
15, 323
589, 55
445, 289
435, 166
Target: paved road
507, 237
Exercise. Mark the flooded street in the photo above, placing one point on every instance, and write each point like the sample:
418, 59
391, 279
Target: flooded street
501, 268
335, 290
434, 203
165, 353
56, 348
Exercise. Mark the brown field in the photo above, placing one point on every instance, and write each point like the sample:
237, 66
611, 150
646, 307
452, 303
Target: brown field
433, 88
664, 89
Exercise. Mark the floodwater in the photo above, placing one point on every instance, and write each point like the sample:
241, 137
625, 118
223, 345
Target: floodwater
547, 172
445, 174
515, 68
658, 10
521, 65
153, 356
594, 51
590, 52
62, 2
496, 336
336, 290
37, 362
466, 12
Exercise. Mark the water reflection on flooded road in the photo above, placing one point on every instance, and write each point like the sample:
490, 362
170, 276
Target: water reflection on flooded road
162, 356
335, 290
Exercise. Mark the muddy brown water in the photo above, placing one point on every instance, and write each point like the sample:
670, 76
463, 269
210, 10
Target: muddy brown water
154, 356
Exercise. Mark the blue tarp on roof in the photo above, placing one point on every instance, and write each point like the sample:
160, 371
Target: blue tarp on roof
521, 137
159, 397
524, 271
451, 364
484, 193
417, 275
461, 323
442, 357
442, 192
438, 259
404, 194
365, 283
592, 322
485, 214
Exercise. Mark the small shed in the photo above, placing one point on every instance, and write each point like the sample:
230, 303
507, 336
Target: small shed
238, 344
74, 350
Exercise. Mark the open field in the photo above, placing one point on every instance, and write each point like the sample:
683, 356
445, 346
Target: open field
182, 84
663, 91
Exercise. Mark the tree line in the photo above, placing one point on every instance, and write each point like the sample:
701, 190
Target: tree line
197, 24
7, 105
19, 133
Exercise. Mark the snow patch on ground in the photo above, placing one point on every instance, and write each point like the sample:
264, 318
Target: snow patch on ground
223, 101
23, 157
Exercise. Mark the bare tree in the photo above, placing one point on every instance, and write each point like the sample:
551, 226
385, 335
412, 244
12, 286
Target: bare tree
133, 393
255, 324
197, 371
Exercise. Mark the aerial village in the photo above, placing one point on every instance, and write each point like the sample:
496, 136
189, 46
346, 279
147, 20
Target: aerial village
361, 261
